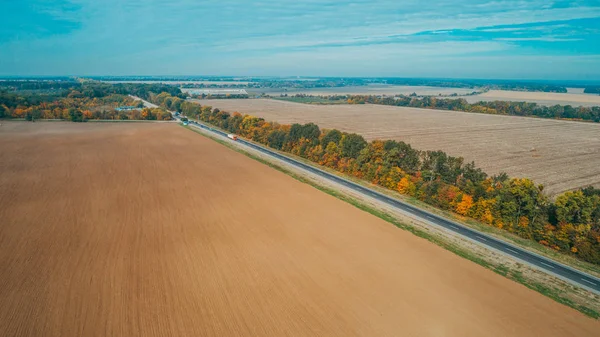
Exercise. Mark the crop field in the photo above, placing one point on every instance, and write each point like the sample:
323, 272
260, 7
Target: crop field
561, 155
141, 229
573, 98
375, 89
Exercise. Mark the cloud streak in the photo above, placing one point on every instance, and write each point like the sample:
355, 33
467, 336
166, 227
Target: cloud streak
154, 37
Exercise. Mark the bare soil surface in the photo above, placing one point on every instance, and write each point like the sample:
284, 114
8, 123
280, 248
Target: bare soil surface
573, 98
561, 155
127, 229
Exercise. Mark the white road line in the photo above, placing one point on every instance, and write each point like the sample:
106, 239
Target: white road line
454, 227
512, 250
547, 265
482, 238
590, 282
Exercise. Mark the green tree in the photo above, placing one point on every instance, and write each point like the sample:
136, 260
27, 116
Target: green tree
276, 139
33, 115
522, 203
351, 145
331, 136
75, 115
574, 208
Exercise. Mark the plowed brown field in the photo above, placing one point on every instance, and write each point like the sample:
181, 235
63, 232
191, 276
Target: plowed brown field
152, 230
561, 155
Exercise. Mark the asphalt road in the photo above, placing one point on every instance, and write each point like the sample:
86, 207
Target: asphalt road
547, 265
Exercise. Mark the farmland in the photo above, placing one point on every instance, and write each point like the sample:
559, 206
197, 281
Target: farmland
562, 155
374, 89
151, 230
574, 98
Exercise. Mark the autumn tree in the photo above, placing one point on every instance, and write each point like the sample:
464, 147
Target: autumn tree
465, 205
575, 208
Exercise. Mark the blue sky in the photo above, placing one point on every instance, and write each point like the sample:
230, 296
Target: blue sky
436, 38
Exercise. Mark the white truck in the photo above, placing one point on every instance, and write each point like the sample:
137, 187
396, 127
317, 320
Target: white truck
232, 136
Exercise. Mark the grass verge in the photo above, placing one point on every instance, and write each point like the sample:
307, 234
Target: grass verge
500, 269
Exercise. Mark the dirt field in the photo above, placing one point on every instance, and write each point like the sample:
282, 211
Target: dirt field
576, 98
561, 155
126, 229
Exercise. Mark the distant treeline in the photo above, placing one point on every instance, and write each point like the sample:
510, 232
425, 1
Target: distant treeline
496, 107
14, 85
488, 84
571, 224
53, 89
226, 96
591, 90
82, 102
329, 82
143, 90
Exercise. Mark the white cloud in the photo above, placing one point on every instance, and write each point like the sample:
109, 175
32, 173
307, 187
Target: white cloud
541, 38
412, 24
189, 36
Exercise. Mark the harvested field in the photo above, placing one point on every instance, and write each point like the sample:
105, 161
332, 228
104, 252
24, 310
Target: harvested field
562, 155
543, 98
123, 229
374, 89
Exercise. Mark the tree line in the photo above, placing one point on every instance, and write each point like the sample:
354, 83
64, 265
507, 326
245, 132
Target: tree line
483, 84
82, 102
591, 114
570, 224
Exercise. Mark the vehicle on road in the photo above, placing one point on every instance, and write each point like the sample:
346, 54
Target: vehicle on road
232, 136
184, 120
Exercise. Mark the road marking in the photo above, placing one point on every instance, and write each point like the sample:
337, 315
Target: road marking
547, 265
454, 227
590, 282
512, 250
482, 238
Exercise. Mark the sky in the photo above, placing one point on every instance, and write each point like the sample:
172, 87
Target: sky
536, 39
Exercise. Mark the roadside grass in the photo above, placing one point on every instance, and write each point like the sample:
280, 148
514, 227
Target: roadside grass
515, 275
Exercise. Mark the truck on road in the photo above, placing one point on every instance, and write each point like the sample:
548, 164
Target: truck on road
232, 136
